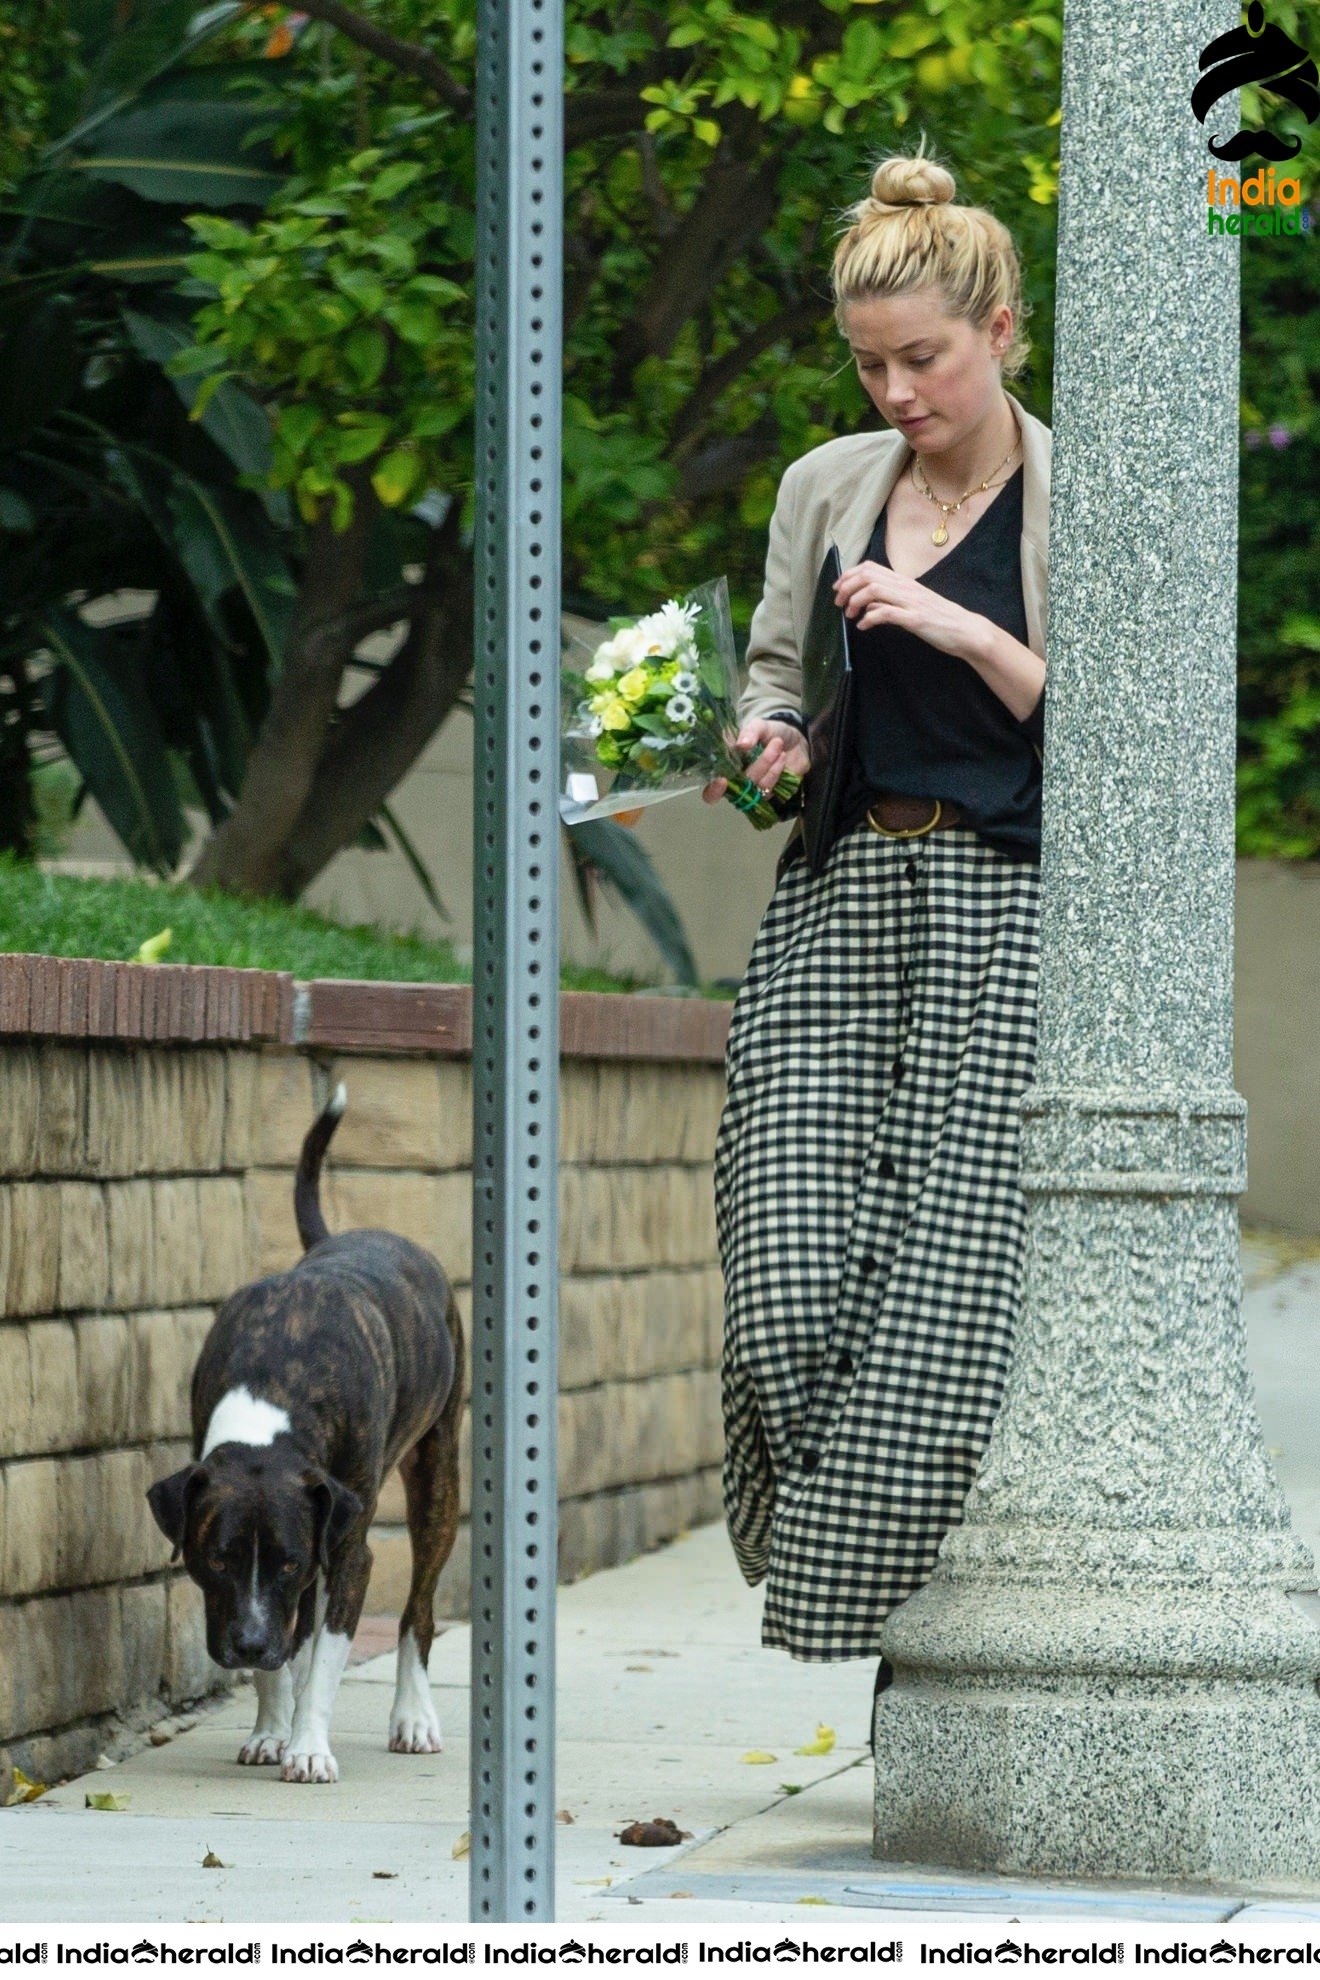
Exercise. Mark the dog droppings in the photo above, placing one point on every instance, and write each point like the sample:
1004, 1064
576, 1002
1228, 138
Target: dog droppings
658, 1833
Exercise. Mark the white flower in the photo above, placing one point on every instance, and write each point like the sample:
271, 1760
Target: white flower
631, 646
674, 623
685, 682
680, 709
606, 661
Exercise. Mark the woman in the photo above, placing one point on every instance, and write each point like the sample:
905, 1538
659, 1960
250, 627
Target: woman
868, 1204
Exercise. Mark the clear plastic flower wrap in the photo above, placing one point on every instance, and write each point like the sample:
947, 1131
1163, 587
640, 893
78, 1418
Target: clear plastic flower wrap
652, 712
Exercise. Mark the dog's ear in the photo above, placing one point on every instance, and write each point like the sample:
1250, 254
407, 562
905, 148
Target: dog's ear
171, 1500
334, 1508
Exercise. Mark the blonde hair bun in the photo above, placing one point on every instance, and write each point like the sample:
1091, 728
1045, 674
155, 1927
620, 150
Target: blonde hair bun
911, 234
901, 181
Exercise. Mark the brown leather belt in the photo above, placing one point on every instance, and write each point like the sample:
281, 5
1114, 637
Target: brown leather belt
898, 817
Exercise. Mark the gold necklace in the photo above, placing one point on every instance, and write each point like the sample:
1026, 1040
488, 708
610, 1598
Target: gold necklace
947, 509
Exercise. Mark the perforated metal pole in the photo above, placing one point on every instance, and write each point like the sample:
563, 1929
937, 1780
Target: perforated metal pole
515, 990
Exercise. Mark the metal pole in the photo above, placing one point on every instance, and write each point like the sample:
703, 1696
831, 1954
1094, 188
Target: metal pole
515, 987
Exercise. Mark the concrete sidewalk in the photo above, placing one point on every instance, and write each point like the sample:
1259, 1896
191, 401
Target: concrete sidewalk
663, 1691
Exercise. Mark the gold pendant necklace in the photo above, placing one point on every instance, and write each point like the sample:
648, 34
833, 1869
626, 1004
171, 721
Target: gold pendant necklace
947, 509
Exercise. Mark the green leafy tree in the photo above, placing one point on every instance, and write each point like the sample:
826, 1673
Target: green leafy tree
268, 352
704, 165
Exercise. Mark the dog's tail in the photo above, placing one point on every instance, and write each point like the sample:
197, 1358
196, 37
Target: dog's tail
312, 1227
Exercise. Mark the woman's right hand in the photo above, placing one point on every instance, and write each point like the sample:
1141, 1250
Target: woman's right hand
785, 749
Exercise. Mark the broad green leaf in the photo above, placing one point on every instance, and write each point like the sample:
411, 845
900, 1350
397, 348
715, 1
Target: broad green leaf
397, 476
232, 417
612, 854
367, 350
225, 544
109, 729
396, 179
182, 153
419, 869
356, 443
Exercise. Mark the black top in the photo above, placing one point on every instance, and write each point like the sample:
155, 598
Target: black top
927, 725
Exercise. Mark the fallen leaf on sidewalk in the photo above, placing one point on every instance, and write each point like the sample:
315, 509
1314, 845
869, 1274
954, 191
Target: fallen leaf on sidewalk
674, 1894
26, 1789
384, 1873
822, 1743
463, 1845
658, 1833
110, 1804
790, 1787
212, 1862
593, 1880
758, 1759
562, 1815
813, 1900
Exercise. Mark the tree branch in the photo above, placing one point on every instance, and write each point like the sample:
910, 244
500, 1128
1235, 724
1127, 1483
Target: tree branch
595, 113
243, 853
735, 204
403, 55
376, 741
716, 379
662, 212
588, 113
724, 464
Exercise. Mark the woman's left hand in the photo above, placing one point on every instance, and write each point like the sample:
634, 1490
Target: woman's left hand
873, 595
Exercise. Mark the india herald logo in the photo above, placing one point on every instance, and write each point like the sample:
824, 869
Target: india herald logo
1258, 53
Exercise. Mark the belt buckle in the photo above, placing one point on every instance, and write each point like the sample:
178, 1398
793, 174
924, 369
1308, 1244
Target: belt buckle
906, 831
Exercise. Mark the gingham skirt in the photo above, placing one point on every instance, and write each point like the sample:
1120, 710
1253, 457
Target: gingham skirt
870, 1218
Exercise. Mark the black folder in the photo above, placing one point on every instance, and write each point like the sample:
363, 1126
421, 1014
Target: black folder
828, 705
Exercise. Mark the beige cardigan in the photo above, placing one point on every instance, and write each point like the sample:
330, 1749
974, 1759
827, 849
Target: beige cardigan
834, 494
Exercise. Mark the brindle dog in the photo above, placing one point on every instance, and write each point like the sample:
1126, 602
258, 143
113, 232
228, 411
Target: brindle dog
310, 1387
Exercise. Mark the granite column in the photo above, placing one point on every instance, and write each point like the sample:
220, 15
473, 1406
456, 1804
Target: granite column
1113, 1672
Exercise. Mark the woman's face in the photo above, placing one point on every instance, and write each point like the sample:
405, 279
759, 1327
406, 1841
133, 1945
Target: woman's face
932, 375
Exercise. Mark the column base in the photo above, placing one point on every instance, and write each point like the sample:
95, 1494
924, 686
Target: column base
1214, 1781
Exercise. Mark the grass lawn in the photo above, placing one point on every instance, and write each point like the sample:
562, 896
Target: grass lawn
58, 915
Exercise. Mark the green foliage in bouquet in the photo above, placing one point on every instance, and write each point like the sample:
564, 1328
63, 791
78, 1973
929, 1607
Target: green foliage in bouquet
658, 705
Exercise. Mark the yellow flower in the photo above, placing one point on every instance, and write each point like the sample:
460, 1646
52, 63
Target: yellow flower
616, 715
634, 684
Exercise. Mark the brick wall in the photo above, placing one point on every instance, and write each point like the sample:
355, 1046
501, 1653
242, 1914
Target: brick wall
141, 1182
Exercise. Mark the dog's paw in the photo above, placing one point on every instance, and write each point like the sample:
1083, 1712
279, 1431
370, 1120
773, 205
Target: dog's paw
262, 1750
415, 1731
317, 1765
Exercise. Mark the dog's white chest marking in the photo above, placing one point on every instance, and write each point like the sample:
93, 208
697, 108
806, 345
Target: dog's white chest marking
242, 1418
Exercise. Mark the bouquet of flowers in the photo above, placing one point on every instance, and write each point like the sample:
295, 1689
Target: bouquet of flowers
654, 713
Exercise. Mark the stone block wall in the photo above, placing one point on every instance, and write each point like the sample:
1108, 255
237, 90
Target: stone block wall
143, 1179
